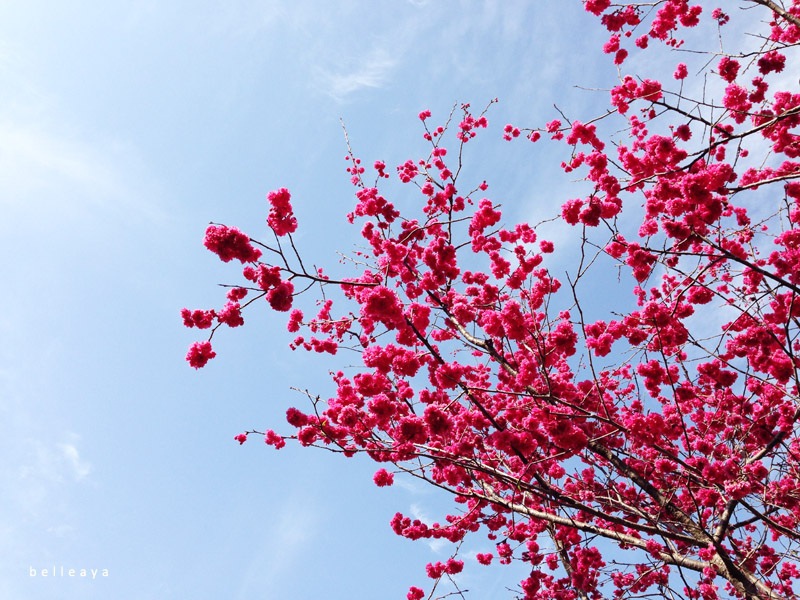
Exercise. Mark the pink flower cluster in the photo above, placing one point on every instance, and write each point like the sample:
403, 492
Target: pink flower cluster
229, 243
199, 354
281, 218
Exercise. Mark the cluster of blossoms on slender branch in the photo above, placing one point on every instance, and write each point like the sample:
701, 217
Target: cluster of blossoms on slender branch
668, 427
266, 281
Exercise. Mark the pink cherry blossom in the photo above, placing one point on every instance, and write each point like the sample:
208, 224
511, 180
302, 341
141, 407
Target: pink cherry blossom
616, 413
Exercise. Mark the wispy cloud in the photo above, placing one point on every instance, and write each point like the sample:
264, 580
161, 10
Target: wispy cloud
79, 469
373, 72
48, 466
54, 165
290, 531
37, 484
40, 167
25, 151
410, 485
418, 512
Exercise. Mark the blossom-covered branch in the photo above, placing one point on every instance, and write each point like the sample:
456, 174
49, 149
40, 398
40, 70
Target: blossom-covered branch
668, 427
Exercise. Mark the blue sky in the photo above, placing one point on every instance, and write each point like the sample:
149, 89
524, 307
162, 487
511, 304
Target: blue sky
124, 129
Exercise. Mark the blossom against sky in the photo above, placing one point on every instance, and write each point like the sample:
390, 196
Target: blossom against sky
125, 128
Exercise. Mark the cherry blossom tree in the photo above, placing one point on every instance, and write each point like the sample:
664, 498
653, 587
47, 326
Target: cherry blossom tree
666, 430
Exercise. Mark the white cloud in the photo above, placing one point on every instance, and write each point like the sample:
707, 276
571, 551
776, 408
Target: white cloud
290, 531
418, 512
53, 165
61, 531
373, 73
45, 468
410, 485
37, 484
80, 469
25, 151
52, 172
